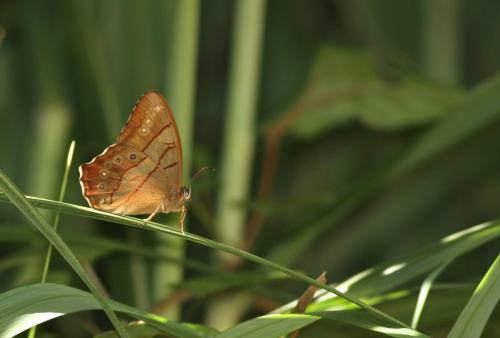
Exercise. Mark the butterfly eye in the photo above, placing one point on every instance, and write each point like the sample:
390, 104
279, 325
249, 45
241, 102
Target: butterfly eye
104, 173
101, 186
132, 156
108, 165
148, 121
186, 193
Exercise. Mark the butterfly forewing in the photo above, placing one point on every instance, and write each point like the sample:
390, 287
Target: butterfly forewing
152, 129
143, 169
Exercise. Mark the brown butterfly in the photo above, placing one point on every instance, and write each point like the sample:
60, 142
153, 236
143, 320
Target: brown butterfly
141, 172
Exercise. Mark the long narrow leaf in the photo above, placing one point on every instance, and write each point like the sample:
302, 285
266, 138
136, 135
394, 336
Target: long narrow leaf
55, 223
278, 325
18, 199
379, 279
367, 321
424, 292
62, 192
475, 315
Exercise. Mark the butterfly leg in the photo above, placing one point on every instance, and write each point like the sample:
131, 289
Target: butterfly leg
183, 217
150, 217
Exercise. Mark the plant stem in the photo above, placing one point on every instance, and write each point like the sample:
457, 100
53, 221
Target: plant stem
239, 139
239, 136
181, 94
441, 41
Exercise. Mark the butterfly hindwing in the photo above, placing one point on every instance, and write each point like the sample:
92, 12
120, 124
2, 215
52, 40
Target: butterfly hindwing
119, 176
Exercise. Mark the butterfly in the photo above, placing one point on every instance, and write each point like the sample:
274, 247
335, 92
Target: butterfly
141, 173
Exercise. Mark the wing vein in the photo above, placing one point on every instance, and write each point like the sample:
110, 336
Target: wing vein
156, 136
147, 176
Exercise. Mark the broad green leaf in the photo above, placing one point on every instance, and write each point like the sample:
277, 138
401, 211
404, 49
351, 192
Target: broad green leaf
347, 85
30, 305
474, 316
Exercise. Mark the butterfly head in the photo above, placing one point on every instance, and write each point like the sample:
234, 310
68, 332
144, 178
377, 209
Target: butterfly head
185, 193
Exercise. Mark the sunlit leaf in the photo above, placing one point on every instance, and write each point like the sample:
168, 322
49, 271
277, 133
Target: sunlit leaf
478, 310
277, 325
30, 305
399, 270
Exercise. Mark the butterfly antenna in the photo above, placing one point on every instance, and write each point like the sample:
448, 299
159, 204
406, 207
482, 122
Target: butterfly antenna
200, 172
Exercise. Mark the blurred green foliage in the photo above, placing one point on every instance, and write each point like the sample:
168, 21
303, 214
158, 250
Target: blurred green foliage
376, 155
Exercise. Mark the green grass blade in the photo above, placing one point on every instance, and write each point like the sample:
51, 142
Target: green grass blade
29, 305
395, 272
368, 321
62, 192
424, 292
278, 325
475, 315
34, 217
239, 130
139, 223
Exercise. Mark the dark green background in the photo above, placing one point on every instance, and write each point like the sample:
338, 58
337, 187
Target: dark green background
91, 57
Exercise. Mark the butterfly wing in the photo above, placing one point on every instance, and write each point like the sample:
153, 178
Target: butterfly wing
143, 169
152, 129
